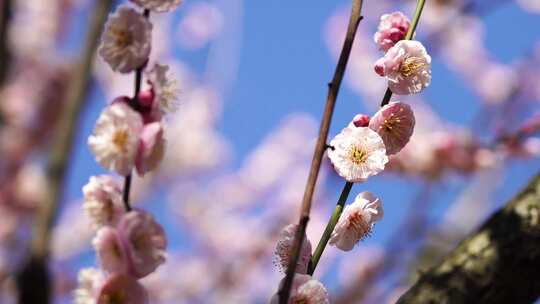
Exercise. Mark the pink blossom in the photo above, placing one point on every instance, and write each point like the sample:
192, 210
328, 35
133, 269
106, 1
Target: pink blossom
145, 242
392, 28
151, 148
407, 67
356, 221
395, 124
121, 289
284, 249
110, 250
102, 200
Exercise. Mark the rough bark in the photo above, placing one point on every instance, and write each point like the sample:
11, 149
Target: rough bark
498, 263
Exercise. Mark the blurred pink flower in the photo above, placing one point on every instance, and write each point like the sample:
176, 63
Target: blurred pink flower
90, 280
356, 221
407, 67
102, 200
202, 22
392, 28
116, 138
284, 250
305, 290
151, 148
121, 289
110, 250
395, 124
357, 153
126, 40
159, 6
145, 242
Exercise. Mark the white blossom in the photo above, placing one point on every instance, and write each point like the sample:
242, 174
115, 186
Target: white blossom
356, 221
357, 153
126, 40
102, 200
164, 88
116, 138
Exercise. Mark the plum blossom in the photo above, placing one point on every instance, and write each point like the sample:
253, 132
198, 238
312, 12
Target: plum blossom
357, 153
164, 89
284, 249
102, 200
90, 280
406, 66
392, 28
159, 6
121, 289
151, 148
126, 40
356, 221
110, 250
395, 124
145, 242
305, 290
115, 140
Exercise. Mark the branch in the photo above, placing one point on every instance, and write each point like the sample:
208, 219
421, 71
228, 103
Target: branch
333, 91
497, 264
33, 280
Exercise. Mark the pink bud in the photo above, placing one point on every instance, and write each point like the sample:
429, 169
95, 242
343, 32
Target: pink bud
146, 98
379, 67
361, 120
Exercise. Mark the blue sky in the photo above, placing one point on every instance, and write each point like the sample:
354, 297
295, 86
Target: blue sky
284, 66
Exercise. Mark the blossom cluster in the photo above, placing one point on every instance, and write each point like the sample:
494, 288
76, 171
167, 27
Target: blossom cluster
128, 135
362, 149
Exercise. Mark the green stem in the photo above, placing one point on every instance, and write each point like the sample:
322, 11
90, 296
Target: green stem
330, 227
416, 18
408, 36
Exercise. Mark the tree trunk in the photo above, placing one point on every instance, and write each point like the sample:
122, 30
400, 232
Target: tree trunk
499, 263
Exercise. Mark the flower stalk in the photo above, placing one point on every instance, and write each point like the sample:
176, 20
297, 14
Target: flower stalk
135, 103
333, 90
348, 185
329, 227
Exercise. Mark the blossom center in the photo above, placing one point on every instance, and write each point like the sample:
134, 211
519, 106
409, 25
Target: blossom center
301, 300
115, 298
390, 123
122, 38
120, 139
358, 155
410, 66
358, 224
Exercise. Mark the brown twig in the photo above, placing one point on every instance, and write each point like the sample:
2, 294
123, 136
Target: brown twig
134, 104
333, 90
33, 280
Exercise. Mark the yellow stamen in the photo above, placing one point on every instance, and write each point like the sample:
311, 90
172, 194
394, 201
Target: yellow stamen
410, 66
120, 139
357, 155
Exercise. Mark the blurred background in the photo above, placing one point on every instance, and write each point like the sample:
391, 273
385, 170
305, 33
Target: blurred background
253, 78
